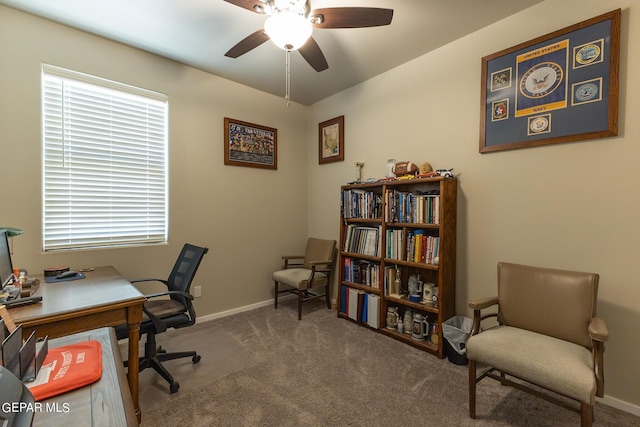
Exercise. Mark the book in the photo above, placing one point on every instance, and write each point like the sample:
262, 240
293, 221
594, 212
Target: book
373, 311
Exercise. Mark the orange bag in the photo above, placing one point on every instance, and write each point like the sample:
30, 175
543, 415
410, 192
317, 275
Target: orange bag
68, 368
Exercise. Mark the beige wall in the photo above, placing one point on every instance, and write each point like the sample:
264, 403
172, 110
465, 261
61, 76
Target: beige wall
246, 216
572, 206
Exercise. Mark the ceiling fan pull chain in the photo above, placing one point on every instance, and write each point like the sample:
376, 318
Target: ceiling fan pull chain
288, 77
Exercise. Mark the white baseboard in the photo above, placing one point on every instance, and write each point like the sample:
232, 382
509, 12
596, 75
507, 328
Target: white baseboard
249, 307
620, 404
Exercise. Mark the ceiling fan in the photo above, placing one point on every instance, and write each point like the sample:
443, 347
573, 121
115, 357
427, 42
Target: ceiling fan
290, 23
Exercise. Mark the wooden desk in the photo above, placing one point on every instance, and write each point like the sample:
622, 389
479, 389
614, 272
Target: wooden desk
103, 298
106, 402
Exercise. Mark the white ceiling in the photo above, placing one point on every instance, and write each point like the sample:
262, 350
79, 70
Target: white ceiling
199, 32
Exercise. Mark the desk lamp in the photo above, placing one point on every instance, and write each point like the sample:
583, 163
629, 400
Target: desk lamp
11, 232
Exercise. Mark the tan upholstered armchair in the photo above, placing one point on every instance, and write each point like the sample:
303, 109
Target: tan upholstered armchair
303, 272
547, 334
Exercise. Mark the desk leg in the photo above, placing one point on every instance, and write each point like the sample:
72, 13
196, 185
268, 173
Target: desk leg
134, 319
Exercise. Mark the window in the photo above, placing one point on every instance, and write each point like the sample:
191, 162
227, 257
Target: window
104, 161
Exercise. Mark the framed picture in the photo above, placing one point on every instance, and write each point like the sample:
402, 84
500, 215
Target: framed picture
246, 144
331, 140
561, 87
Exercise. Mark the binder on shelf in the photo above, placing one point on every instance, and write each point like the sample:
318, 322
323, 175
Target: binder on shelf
362, 307
344, 299
373, 311
352, 308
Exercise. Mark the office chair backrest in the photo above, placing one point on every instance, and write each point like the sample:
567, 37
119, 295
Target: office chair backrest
552, 302
185, 269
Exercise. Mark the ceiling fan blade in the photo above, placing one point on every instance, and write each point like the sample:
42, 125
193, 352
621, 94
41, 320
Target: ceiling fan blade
311, 52
248, 43
351, 17
252, 5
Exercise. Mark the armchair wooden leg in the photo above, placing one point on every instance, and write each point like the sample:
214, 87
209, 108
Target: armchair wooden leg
300, 305
586, 414
472, 389
327, 296
276, 295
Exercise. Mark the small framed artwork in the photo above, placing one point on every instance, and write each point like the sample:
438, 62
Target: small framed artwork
560, 87
331, 140
250, 145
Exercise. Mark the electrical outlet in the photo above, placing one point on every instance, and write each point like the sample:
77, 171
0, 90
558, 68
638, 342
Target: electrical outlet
197, 291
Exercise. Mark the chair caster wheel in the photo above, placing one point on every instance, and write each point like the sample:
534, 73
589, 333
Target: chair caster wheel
174, 387
196, 358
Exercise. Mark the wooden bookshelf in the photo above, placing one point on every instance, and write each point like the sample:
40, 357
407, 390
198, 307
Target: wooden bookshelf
408, 226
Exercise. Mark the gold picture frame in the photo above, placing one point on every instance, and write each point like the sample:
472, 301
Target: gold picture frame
250, 145
331, 140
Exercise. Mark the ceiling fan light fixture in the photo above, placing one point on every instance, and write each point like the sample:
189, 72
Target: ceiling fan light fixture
288, 30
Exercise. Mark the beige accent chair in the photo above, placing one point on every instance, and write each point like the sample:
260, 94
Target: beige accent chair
303, 272
548, 335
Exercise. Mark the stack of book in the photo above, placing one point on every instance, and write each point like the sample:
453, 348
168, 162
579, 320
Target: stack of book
362, 240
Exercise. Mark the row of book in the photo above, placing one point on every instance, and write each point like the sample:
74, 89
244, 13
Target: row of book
422, 248
361, 204
360, 306
362, 272
363, 240
411, 208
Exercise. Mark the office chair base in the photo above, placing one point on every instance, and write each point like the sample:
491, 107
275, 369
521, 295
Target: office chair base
154, 356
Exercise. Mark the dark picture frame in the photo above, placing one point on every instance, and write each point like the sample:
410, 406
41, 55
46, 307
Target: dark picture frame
331, 140
250, 145
560, 87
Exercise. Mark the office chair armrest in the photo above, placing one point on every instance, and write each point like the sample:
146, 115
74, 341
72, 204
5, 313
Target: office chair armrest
158, 325
161, 294
150, 280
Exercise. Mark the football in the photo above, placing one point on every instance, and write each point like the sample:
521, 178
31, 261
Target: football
405, 168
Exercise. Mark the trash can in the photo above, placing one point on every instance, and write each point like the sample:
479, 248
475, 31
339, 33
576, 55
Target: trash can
456, 332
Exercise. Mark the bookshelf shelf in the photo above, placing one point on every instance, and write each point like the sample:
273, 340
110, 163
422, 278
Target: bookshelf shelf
406, 227
361, 287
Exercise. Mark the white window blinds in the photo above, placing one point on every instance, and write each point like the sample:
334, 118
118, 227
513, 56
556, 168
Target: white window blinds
105, 162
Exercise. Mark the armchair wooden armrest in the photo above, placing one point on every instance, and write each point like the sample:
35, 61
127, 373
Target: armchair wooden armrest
288, 258
482, 303
315, 269
324, 262
477, 305
598, 330
599, 333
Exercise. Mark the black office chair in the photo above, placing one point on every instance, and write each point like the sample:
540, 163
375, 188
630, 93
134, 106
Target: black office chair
174, 312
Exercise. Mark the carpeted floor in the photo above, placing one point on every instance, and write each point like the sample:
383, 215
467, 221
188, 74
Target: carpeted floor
264, 368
